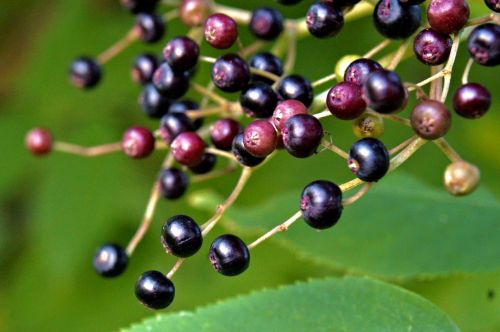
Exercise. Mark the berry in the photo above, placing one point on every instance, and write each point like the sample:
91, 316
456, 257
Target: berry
368, 125
149, 27
359, 70
223, 132
206, 165
188, 149
194, 12
181, 236
447, 16
241, 153
154, 290
138, 142
321, 204
169, 83
173, 124
182, 107
461, 178
260, 138
430, 119
484, 44
229, 255
181, 53
230, 73
431, 47
85, 73
173, 183
368, 159
139, 6
296, 87
266, 23
110, 260
385, 91
285, 110
258, 100
266, 62
345, 101
221, 31
324, 19
153, 104
39, 141
471, 100
396, 21
302, 135
143, 68
342, 64
494, 5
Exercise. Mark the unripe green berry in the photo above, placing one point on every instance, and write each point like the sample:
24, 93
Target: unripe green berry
368, 125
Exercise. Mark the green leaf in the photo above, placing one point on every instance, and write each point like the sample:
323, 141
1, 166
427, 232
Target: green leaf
347, 304
401, 229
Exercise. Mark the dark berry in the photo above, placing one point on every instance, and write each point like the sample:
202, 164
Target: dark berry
169, 83
181, 236
285, 110
183, 106
266, 23
138, 142
258, 100
194, 12
206, 165
260, 138
188, 149
173, 183
139, 6
181, 53
368, 159
154, 290
110, 260
230, 73
143, 68
357, 72
223, 132
324, 19
241, 153
431, 47
39, 141
302, 135
430, 119
385, 91
494, 5
345, 101
173, 124
229, 255
471, 100
149, 27
321, 204
85, 73
447, 16
396, 21
296, 87
266, 62
484, 44
221, 31
153, 104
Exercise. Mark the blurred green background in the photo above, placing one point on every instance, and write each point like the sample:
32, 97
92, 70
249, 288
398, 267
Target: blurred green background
55, 211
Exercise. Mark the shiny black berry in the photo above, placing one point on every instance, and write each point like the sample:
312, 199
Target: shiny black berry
149, 27
143, 68
221, 31
206, 164
368, 159
182, 106
110, 260
357, 72
153, 104
302, 135
230, 73
321, 204
229, 255
296, 87
266, 62
139, 6
266, 23
181, 236
154, 290
181, 53
385, 92
324, 19
173, 124
431, 47
396, 21
173, 183
494, 5
258, 100
448, 16
241, 153
223, 132
471, 100
85, 73
169, 83
484, 44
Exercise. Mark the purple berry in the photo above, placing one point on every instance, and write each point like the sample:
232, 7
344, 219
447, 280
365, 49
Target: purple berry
221, 31
345, 101
471, 100
302, 135
138, 142
431, 47
260, 138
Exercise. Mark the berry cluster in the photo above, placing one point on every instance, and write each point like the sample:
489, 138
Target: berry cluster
280, 110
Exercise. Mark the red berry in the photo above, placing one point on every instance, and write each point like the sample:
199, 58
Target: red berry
471, 100
285, 110
345, 101
223, 132
39, 141
138, 142
448, 16
221, 31
260, 138
188, 149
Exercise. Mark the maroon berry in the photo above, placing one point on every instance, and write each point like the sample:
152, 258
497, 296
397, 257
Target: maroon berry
357, 72
230, 73
431, 47
448, 16
345, 101
181, 53
188, 149
221, 31
149, 27
138, 142
484, 44
39, 141
266, 23
430, 119
194, 12
302, 135
285, 110
260, 138
223, 132
471, 100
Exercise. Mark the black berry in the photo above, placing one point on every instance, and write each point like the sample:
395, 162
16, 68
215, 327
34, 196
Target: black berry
357, 72
154, 290
396, 21
230, 73
181, 236
324, 19
369, 159
173, 124
85, 73
321, 204
181, 53
153, 104
143, 68
139, 6
494, 5
296, 87
302, 135
229, 255
258, 100
385, 91
242, 155
484, 44
110, 260
266, 62
182, 106
266, 23
173, 183
206, 164
170, 84
471, 100
149, 27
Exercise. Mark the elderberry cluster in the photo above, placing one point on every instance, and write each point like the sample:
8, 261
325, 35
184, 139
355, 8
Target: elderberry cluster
281, 107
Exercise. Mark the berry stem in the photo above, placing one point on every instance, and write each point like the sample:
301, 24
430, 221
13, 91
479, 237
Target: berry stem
291, 55
323, 114
195, 114
174, 269
210, 94
448, 150
92, 151
361, 192
207, 59
324, 80
210, 87
379, 47
265, 74
483, 19
437, 85
221, 153
251, 49
335, 149
449, 66
280, 228
401, 146
118, 47
241, 16
465, 76
407, 152
170, 15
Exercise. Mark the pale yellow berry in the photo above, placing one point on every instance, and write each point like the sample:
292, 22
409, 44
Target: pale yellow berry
461, 178
368, 125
